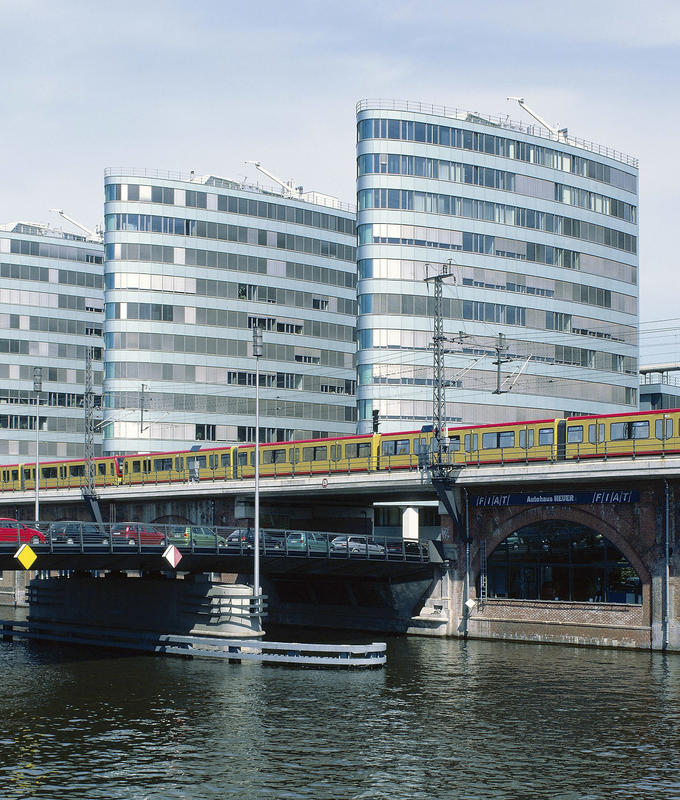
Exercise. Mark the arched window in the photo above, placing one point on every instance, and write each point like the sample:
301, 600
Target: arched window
560, 560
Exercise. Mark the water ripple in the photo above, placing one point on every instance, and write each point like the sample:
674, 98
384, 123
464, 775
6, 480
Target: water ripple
445, 719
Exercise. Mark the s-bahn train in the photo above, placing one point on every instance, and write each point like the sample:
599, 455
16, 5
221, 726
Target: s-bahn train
642, 433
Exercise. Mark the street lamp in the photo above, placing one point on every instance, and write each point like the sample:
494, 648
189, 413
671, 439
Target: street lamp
37, 388
257, 352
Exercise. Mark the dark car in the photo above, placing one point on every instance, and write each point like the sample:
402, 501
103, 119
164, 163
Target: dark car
15, 532
133, 533
244, 539
77, 533
306, 542
404, 548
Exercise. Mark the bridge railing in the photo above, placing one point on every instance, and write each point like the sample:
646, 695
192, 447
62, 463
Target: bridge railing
140, 537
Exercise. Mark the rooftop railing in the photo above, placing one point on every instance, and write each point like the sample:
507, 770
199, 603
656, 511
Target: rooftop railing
498, 122
312, 197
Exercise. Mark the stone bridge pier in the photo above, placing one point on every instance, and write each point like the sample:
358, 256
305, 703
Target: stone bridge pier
640, 521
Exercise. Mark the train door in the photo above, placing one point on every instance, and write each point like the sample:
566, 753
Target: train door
561, 450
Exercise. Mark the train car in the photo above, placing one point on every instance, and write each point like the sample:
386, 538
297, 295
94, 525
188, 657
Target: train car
57, 474
534, 440
637, 433
179, 466
310, 456
402, 450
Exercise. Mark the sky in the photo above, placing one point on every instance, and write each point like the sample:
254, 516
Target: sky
206, 85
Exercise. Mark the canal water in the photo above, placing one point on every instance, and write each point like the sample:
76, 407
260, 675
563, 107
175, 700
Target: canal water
444, 719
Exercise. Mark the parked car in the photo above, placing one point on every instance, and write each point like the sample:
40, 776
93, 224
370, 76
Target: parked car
244, 539
400, 548
200, 535
306, 542
133, 533
12, 531
77, 532
357, 545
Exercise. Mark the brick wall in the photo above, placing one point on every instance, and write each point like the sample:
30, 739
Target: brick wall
601, 624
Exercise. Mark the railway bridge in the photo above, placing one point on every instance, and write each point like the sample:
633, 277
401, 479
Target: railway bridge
581, 552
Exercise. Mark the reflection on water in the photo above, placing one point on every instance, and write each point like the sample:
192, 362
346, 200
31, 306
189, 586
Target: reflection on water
445, 719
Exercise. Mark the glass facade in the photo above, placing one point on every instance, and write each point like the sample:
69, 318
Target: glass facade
51, 312
556, 560
192, 266
540, 237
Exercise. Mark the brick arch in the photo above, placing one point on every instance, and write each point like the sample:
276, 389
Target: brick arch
620, 539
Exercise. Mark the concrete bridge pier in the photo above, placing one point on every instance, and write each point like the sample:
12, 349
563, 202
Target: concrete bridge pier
151, 604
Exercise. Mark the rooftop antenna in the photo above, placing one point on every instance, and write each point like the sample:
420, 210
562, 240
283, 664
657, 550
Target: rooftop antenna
95, 234
558, 133
289, 188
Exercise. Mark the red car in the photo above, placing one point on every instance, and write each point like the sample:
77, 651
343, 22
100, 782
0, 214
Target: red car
15, 532
133, 532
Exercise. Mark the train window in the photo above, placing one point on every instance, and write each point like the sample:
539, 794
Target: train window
596, 433
470, 442
489, 441
62, 472
136, 466
101, 469
126, 466
336, 452
273, 456
389, 448
639, 430
193, 461
162, 464
403, 447
5, 475
526, 438
242, 459
77, 470
362, 450
294, 455
545, 436
49, 472
619, 431
314, 453
225, 459
15, 474
420, 445
454, 444
506, 439
179, 464
212, 461
659, 429
575, 434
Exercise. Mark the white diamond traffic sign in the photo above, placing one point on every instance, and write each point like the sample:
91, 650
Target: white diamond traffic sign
172, 555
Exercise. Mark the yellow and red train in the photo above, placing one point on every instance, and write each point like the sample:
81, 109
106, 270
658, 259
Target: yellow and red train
636, 433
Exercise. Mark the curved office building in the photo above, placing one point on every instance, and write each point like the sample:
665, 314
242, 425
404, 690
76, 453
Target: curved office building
51, 313
193, 264
539, 232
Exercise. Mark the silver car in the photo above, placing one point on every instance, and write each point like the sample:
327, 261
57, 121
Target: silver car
357, 545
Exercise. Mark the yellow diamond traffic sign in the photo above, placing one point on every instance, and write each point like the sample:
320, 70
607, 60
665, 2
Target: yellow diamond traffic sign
25, 556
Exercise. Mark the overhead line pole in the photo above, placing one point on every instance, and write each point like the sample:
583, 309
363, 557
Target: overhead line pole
438, 339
